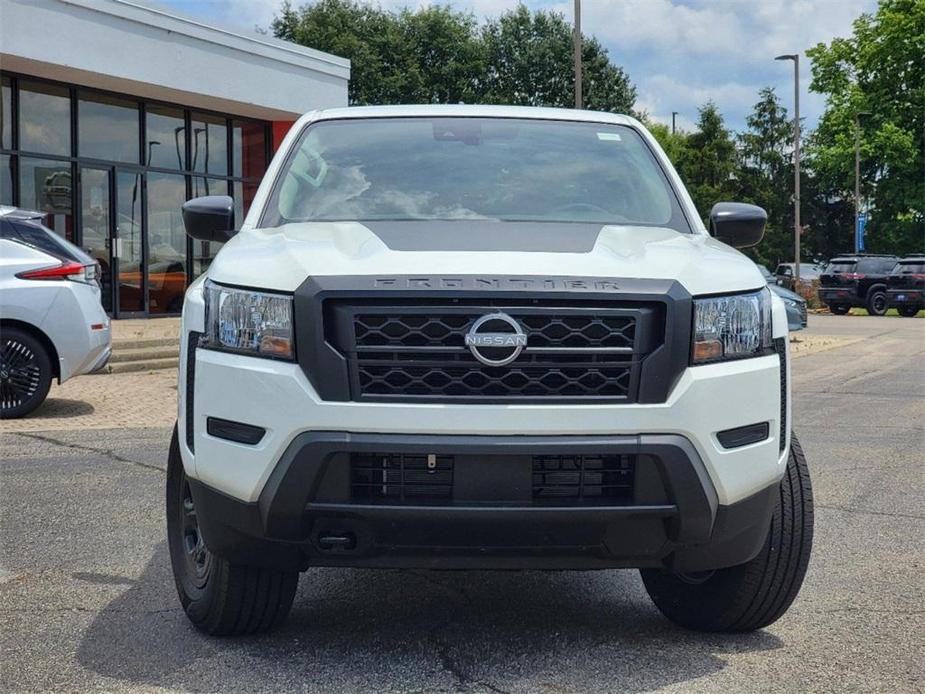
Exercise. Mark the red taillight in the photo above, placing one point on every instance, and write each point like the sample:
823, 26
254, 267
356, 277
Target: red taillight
854, 276
70, 270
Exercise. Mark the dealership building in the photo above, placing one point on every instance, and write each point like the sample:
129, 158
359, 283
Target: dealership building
114, 112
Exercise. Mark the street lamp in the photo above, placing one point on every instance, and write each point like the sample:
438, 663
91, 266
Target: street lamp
576, 40
857, 178
796, 162
673, 115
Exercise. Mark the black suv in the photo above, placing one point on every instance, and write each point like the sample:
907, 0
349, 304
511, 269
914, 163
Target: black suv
905, 287
856, 281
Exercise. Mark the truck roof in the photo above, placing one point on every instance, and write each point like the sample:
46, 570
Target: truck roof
467, 110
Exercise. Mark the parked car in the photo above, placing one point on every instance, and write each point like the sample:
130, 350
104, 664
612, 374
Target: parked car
52, 324
474, 337
795, 304
856, 281
905, 286
784, 273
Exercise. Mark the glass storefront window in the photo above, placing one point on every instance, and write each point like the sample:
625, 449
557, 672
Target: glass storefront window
165, 137
209, 186
107, 127
130, 279
44, 118
243, 195
248, 149
210, 144
166, 263
6, 113
6, 179
47, 186
94, 224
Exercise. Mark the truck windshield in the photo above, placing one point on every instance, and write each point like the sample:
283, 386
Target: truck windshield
470, 168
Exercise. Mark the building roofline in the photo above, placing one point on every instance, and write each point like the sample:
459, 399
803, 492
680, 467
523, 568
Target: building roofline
226, 37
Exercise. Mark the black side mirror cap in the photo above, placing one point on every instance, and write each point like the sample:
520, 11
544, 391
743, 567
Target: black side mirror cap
209, 218
737, 223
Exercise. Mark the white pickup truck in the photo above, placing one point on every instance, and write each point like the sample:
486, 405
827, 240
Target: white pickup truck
473, 337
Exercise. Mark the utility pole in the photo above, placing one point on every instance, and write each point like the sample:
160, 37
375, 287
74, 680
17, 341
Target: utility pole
576, 40
796, 163
857, 179
673, 115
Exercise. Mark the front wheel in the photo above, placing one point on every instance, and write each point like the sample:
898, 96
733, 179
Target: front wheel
908, 311
755, 594
25, 373
220, 598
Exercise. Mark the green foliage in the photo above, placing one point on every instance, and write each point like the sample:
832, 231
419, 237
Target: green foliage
437, 55
707, 163
880, 69
529, 62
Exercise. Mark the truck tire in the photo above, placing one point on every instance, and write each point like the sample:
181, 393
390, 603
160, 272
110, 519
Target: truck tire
25, 373
220, 598
908, 311
877, 303
755, 594
839, 310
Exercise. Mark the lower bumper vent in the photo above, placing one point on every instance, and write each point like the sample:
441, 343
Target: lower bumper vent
395, 477
587, 478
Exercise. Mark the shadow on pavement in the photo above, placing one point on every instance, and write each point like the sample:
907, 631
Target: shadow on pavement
62, 408
385, 630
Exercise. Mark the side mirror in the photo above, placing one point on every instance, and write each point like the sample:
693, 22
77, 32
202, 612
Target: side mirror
209, 218
737, 223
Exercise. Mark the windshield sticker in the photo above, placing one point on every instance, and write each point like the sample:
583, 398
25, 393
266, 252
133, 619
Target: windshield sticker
609, 137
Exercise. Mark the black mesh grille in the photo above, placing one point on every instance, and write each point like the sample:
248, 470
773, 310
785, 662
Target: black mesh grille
396, 477
583, 477
418, 351
780, 346
447, 330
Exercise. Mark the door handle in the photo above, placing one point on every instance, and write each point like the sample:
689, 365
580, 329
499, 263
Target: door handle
117, 248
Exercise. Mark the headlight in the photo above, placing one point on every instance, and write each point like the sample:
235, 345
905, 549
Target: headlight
732, 327
248, 322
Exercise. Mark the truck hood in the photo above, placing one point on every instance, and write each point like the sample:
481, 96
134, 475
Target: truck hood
282, 258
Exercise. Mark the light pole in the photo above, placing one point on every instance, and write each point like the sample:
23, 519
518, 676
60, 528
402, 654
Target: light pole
796, 163
576, 40
857, 178
673, 115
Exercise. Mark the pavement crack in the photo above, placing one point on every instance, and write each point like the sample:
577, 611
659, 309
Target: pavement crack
112, 455
833, 507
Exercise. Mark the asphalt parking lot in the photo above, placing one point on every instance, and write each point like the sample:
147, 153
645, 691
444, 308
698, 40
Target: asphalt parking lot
88, 602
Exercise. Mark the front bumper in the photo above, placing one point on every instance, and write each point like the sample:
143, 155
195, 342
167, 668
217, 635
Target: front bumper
304, 515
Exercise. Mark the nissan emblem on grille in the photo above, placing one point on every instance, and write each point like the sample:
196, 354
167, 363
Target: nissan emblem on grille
496, 348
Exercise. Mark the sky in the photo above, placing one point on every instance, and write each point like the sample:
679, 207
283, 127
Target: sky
678, 53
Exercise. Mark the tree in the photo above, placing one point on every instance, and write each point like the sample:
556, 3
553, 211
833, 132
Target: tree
708, 163
764, 174
880, 69
529, 62
436, 55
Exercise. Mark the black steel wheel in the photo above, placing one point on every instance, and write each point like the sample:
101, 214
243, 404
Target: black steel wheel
877, 303
25, 373
220, 598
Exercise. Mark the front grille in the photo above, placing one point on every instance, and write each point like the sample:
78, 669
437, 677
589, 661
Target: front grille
780, 347
583, 477
546, 330
396, 477
590, 352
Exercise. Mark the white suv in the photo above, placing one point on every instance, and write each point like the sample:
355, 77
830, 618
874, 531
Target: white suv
52, 324
483, 337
